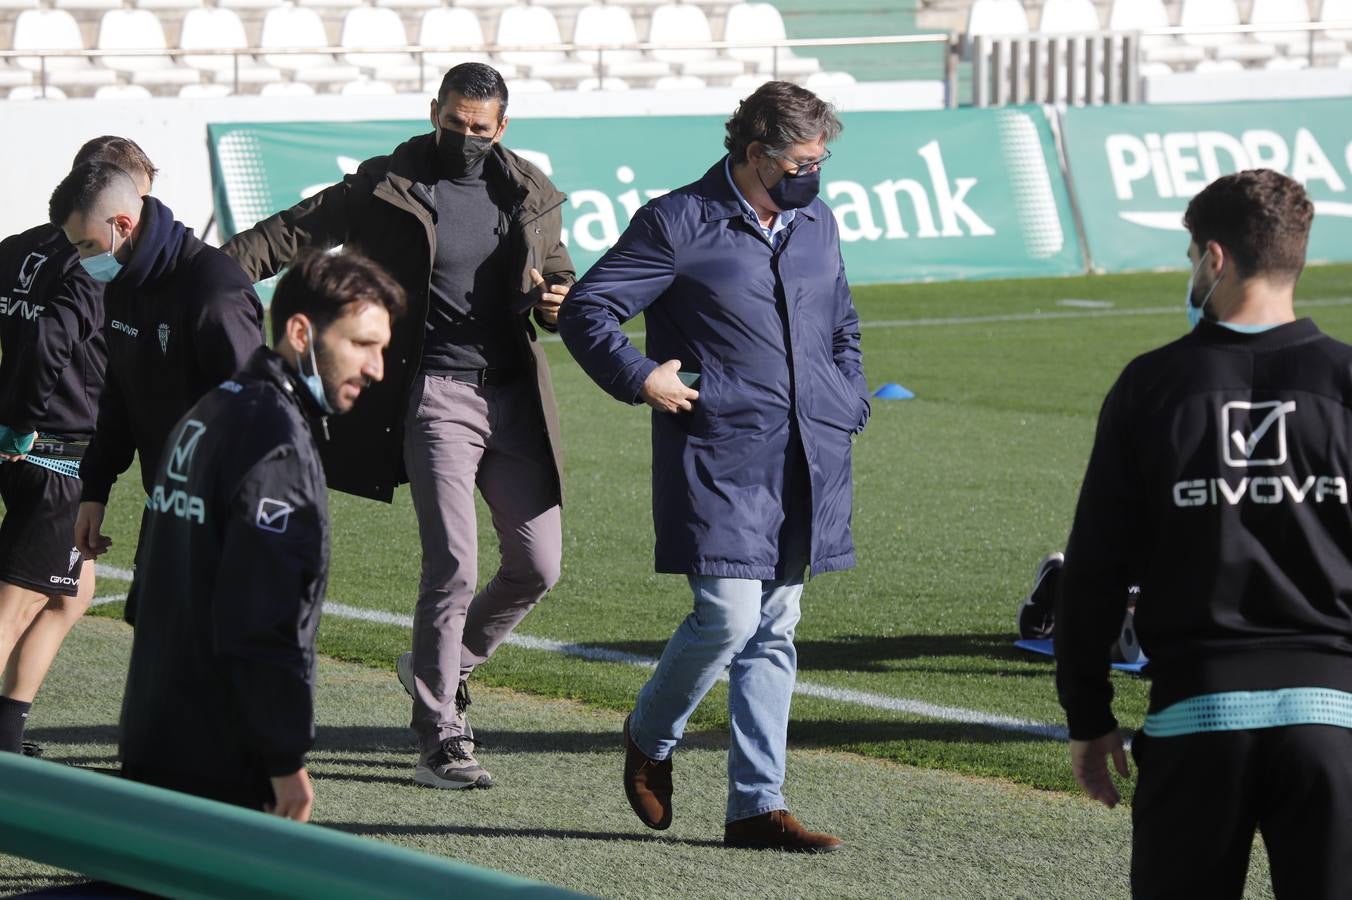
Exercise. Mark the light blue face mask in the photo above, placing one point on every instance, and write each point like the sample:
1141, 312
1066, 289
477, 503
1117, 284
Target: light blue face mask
105, 266
313, 382
1195, 309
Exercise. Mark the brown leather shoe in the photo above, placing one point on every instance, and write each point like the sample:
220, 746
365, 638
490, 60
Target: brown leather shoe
647, 784
778, 830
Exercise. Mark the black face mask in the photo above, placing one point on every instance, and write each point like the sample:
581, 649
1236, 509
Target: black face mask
460, 153
794, 191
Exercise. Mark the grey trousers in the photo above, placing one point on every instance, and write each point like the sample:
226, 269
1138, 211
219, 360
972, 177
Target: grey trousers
458, 437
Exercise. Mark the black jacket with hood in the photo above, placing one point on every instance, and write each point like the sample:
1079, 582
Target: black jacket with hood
181, 318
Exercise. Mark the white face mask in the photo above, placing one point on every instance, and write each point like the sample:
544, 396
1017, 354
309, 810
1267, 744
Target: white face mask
1195, 309
105, 266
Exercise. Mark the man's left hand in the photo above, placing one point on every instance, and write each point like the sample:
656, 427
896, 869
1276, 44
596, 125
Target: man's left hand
549, 297
1089, 762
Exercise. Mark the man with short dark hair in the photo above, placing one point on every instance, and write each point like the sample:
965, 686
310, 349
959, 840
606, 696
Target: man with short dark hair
473, 233
52, 355
182, 318
755, 377
220, 691
1218, 482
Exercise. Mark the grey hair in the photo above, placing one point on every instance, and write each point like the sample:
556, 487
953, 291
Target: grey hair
780, 114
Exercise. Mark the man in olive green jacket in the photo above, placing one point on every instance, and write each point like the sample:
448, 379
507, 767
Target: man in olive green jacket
473, 234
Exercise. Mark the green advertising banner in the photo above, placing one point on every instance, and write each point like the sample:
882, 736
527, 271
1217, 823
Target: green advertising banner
919, 195
1135, 168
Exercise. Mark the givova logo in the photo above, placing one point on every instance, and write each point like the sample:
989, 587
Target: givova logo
180, 457
1254, 435
28, 272
21, 308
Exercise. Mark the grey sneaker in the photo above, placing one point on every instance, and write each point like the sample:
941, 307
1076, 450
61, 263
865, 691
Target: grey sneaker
450, 766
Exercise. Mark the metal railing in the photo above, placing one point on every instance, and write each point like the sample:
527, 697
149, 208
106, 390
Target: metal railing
1089, 67
575, 51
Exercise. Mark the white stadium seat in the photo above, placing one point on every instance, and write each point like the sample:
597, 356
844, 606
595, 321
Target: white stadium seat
367, 87
56, 29
288, 26
168, 5
411, 5
8, 5
1069, 17
34, 92
454, 26
484, 4
1147, 15
613, 26
750, 81
1287, 64
679, 83
997, 17
215, 28
374, 27
762, 22
603, 84
1345, 62
140, 29
88, 5
122, 92
820, 80
529, 25
686, 23
529, 86
1213, 66
247, 4
205, 91
1336, 11
287, 89
1203, 14
13, 76
327, 5
1155, 69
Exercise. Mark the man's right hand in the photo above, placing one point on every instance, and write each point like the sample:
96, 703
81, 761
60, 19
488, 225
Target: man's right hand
293, 796
664, 392
89, 537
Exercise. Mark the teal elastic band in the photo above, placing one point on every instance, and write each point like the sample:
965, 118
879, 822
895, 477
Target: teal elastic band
1242, 710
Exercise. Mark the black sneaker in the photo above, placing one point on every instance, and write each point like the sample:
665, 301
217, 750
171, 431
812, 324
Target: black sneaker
1037, 611
28, 748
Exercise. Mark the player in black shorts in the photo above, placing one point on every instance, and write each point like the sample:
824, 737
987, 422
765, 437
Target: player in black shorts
52, 356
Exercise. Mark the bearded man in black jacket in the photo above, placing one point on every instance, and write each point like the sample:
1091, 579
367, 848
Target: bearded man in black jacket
219, 700
181, 318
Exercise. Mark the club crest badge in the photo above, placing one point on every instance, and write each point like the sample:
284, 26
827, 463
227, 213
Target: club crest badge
164, 338
74, 558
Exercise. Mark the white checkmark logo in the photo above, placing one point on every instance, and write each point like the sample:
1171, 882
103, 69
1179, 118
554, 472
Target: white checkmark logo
1247, 447
1239, 451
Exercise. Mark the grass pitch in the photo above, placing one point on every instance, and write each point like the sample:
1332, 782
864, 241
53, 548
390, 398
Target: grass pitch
958, 493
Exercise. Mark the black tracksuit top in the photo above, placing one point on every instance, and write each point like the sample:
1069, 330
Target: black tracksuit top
229, 587
1218, 482
52, 350
181, 318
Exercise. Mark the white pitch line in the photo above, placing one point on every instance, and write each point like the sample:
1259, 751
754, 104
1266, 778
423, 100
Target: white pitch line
1176, 309
806, 689
102, 571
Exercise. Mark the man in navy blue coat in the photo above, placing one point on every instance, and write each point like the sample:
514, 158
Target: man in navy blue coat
754, 371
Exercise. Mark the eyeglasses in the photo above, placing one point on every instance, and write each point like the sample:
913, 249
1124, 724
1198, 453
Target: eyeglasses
802, 168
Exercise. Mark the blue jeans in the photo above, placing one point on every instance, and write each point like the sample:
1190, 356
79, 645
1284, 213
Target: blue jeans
748, 625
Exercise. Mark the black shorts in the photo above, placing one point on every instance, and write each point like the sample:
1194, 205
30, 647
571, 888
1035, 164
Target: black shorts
37, 534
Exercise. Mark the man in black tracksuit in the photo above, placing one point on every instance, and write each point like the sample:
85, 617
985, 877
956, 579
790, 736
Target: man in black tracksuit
219, 698
181, 318
52, 355
1219, 483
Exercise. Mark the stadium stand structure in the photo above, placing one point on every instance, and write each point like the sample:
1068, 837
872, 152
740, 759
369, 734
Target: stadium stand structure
194, 48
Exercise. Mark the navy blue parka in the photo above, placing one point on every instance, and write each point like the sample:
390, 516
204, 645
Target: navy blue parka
775, 337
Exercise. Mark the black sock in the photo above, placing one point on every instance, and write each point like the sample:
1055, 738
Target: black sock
13, 717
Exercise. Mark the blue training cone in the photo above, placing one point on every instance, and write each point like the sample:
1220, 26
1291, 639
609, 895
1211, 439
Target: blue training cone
893, 391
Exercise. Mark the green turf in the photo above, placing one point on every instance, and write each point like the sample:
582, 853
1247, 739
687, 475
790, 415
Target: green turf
958, 494
558, 813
